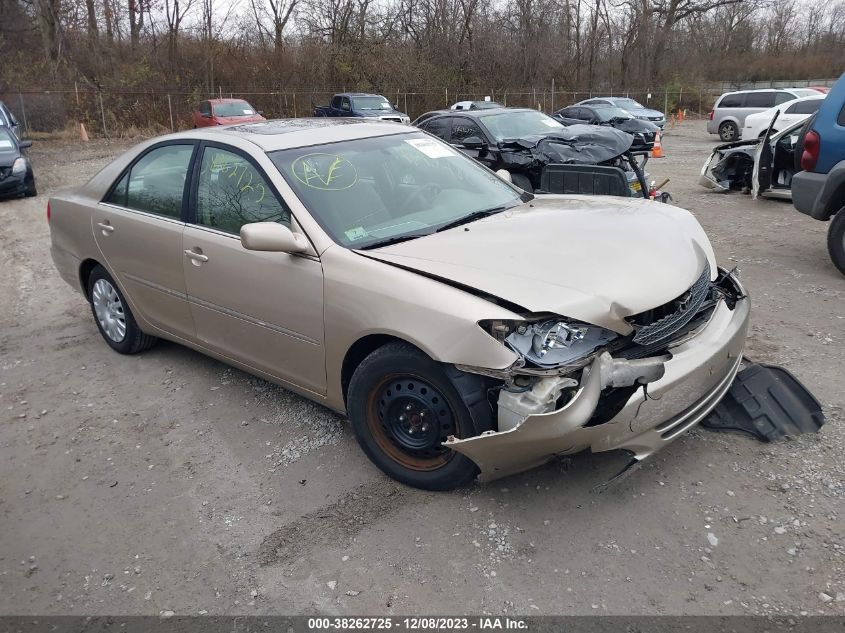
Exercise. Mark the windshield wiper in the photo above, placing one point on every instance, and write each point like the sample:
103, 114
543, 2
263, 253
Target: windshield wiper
396, 239
472, 217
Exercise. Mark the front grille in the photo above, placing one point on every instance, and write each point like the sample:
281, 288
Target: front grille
684, 307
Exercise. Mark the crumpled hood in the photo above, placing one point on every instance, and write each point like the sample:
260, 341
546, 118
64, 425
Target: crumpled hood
594, 259
588, 144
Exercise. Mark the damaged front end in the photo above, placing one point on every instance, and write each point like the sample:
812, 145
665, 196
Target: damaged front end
577, 386
574, 145
730, 166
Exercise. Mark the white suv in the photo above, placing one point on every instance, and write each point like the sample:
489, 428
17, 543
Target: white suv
728, 115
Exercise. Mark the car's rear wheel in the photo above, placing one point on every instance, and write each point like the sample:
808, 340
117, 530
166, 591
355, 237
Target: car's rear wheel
113, 317
836, 240
403, 405
728, 131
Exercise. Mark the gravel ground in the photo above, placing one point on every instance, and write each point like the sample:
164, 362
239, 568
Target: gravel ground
169, 482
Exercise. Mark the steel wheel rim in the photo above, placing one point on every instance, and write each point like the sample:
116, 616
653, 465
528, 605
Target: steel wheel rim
409, 419
109, 310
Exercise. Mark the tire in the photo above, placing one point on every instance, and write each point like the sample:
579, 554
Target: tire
836, 240
113, 317
30, 191
521, 181
728, 131
391, 393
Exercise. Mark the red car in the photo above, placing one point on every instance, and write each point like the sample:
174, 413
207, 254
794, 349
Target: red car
225, 112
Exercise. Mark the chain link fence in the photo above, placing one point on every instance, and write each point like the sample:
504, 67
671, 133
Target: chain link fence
111, 113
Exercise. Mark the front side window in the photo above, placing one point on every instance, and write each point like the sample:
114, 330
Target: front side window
366, 191
232, 192
464, 128
205, 108
518, 124
156, 182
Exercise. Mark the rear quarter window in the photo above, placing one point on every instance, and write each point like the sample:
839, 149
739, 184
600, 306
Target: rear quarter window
736, 100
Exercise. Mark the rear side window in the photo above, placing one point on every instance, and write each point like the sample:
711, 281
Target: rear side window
736, 100
233, 192
764, 99
156, 182
440, 127
804, 107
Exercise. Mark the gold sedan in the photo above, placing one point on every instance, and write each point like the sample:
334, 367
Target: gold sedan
463, 325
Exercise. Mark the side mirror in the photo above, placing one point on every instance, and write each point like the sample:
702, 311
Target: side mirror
25, 144
272, 237
396, 106
505, 175
474, 142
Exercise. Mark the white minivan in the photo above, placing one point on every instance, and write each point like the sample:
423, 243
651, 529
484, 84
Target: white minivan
728, 115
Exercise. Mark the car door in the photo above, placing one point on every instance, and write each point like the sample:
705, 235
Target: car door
761, 173
138, 229
262, 309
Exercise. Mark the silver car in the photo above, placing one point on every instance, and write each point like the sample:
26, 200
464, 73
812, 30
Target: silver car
727, 117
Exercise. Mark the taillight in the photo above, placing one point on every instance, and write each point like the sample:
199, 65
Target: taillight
712, 114
810, 155
48, 210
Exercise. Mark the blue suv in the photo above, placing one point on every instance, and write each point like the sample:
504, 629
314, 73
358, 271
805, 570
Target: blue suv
819, 190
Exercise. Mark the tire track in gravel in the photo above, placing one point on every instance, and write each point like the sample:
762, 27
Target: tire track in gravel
346, 517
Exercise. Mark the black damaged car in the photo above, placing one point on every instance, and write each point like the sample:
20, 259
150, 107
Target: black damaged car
541, 154
16, 175
642, 131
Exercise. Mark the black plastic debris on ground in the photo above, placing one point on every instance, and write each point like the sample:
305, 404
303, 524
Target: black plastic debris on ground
767, 403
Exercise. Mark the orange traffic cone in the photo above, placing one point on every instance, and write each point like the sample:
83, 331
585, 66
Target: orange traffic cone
83, 135
657, 150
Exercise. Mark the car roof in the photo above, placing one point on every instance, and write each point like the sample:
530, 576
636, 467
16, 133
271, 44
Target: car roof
480, 113
289, 133
733, 92
226, 100
358, 94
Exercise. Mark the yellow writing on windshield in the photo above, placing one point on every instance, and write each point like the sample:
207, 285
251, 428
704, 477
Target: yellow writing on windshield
329, 172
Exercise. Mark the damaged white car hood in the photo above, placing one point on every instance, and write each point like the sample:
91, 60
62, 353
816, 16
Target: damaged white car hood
594, 259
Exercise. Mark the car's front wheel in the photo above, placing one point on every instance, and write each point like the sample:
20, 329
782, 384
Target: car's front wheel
836, 240
403, 405
113, 317
728, 131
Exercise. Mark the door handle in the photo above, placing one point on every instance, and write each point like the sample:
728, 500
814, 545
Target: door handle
196, 257
106, 227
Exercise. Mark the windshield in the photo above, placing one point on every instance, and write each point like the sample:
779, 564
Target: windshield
7, 142
233, 108
372, 103
610, 113
372, 190
519, 124
628, 103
